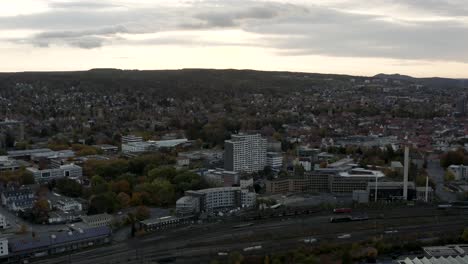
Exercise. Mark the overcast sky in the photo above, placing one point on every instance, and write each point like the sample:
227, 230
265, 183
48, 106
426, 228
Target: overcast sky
364, 37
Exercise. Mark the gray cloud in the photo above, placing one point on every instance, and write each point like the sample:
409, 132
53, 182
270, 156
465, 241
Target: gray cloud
82, 5
293, 30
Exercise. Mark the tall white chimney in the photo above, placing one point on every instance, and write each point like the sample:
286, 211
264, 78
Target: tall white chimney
405, 176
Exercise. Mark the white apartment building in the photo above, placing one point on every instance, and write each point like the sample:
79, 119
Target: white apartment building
245, 153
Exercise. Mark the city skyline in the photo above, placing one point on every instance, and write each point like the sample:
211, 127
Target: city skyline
417, 38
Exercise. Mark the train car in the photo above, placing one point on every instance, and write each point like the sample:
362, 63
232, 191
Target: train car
340, 219
444, 206
342, 210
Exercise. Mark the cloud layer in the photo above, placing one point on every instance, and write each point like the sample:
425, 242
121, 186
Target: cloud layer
397, 29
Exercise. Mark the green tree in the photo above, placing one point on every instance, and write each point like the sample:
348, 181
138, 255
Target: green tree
464, 236
103, 203
40, 211
346, 257
69, 187
27, 178
165, 172
449, 176
124, 200
142, 213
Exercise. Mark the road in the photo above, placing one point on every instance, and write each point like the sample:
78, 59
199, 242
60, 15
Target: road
198, 244
436, 172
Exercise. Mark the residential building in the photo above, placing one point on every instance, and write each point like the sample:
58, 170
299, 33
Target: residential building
97, 220
183, 161
67, 205
16, 199
245, 153
216, 199
274, 160
69, 171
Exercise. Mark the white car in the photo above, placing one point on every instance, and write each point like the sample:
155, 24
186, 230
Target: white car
344, 236
309, 240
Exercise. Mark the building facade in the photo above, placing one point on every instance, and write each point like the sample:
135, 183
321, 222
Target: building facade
274, 160
245, 153
215, 200
459, 171
17, 199
64, 171
325, 181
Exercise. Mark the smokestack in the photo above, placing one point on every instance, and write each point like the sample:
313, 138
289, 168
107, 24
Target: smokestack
405, 176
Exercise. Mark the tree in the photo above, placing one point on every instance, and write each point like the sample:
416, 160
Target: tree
299, 170
456, 157
121, 186
165, 172
69, 187
103, 203
27, 178
449, 176
40, 211
142, 213
98, 185
346, 258
124, 200
464, 236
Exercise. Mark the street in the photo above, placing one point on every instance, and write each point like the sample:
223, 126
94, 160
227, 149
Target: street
436, 172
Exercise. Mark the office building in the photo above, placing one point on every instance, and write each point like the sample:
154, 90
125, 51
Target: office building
131, 138
69, 171
215, 200
245, 153
274, 160
332, 181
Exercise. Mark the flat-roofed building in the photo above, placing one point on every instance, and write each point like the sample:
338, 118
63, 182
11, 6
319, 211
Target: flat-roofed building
245, 153
216, 199
64, 171
97, 220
